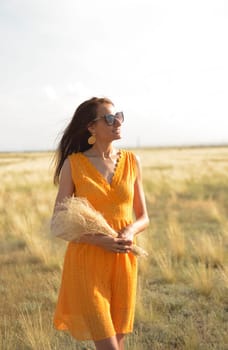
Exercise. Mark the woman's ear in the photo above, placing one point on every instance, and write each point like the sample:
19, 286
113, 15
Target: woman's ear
91, 128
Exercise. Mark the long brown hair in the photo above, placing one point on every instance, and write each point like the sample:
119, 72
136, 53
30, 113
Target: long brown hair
75, 136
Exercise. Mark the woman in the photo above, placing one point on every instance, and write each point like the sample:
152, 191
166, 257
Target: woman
97, 295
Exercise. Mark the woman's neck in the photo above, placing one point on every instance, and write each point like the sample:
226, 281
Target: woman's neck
104, 152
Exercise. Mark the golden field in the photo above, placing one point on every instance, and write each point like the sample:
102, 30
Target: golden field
182, 298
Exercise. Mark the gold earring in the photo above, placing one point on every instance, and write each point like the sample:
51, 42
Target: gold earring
91, 139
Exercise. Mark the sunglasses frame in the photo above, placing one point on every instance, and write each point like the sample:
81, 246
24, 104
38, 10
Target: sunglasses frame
119, 116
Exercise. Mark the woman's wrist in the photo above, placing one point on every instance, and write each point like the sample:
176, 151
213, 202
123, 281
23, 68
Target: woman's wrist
128, 231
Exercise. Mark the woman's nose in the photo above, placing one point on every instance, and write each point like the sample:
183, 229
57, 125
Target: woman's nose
117, 122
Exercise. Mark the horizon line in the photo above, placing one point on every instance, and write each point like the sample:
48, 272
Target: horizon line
208, 145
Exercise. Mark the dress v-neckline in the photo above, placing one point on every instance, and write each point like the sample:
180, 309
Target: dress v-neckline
100, 175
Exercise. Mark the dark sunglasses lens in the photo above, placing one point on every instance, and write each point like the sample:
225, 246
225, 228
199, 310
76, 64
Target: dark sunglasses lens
109, 119
120, 116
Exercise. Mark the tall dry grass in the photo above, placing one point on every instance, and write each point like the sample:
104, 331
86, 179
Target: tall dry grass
183, 283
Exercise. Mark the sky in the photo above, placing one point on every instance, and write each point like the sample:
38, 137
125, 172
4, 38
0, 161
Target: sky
164, 63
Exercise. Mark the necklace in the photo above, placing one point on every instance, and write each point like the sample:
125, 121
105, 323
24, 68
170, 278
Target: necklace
105, 164
113, 156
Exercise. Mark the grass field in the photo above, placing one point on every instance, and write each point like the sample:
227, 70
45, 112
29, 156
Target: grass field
183, 285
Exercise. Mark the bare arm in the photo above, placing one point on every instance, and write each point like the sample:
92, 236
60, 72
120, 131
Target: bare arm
66, 185
139, 204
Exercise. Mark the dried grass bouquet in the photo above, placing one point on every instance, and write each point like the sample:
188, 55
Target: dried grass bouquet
76, 216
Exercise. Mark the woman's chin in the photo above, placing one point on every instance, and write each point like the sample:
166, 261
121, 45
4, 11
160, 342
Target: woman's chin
117, 137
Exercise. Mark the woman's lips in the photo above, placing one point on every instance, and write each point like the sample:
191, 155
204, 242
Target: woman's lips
116, 131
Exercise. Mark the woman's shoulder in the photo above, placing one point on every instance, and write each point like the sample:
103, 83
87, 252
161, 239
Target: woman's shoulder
133, 159
131, 155
74, 155
74, 158
76, 163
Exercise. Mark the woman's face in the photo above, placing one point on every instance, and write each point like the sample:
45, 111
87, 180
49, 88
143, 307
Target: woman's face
103, 131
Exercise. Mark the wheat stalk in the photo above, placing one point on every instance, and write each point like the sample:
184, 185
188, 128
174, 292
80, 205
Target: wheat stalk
75, 217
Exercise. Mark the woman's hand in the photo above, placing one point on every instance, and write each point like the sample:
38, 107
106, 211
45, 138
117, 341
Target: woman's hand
127, 233
116, 245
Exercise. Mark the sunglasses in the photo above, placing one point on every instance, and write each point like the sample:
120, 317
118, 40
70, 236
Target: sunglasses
110, 118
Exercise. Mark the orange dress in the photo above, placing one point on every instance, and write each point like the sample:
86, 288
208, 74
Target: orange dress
97, 293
